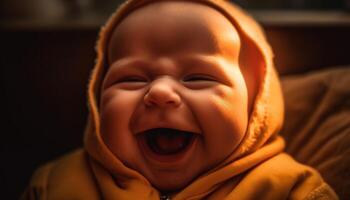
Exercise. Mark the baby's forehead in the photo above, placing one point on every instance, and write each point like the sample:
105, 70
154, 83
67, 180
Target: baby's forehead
171, 27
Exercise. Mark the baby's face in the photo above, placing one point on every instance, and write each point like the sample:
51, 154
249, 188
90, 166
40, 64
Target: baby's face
174, 102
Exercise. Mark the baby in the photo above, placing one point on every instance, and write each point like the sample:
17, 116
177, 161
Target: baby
184, 104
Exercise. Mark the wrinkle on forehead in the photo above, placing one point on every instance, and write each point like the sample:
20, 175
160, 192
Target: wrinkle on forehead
171, 27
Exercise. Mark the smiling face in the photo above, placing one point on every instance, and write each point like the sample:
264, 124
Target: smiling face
174, 102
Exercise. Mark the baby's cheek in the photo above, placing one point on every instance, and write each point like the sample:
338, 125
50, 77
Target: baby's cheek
231, 117
116, 110
222, 115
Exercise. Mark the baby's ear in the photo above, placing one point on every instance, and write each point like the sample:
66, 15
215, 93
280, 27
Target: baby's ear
252, 65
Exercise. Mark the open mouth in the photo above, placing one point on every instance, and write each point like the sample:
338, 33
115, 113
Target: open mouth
167, 142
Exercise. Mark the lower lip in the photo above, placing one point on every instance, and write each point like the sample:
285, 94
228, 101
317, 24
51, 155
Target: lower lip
166, 158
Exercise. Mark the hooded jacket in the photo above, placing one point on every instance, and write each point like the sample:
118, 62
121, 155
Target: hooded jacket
256, 169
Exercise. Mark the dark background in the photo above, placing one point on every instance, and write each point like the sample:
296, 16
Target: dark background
46, 59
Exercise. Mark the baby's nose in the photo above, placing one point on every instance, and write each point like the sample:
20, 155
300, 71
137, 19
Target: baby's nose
162, 94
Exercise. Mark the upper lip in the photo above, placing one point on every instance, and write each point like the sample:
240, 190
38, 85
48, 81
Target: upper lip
181, 128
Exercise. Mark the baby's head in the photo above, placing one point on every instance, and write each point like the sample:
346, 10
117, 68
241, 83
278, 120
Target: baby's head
174, 101
177, 92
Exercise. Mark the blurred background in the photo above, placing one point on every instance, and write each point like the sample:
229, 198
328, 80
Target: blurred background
47, 52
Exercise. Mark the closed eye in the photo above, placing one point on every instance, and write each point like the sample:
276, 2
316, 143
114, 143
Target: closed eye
198, 77
131, 82
199, 81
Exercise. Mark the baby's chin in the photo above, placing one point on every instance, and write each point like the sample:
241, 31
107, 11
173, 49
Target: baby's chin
171, 183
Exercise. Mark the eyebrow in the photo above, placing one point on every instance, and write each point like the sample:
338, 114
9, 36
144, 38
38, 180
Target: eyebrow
203, 59
207, 61
127, 62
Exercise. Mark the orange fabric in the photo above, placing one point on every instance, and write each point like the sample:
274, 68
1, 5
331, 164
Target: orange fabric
255, 170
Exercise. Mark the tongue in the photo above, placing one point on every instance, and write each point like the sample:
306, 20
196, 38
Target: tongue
168, 144
167, 141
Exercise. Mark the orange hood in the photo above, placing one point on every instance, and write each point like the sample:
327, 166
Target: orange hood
261, 142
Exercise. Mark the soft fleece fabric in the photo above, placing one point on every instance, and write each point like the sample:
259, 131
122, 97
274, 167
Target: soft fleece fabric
257, 169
